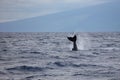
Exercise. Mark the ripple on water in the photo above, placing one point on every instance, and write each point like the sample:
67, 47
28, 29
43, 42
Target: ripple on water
25, 68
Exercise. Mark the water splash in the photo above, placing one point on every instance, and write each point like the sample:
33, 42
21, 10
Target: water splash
83, 42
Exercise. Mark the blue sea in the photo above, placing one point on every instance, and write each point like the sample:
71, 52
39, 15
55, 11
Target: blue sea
49, 56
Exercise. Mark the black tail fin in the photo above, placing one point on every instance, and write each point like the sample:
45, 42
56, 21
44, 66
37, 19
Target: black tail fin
73, 39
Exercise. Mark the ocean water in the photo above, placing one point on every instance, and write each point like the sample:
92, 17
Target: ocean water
49, 56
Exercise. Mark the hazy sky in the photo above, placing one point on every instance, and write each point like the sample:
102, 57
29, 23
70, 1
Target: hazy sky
11, 10
106, 15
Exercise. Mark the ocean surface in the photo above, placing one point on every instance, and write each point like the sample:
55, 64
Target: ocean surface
49, 56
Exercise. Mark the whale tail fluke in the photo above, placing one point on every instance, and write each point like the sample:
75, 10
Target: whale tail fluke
73, 39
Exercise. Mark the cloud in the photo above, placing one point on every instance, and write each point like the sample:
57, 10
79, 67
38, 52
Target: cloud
20, 9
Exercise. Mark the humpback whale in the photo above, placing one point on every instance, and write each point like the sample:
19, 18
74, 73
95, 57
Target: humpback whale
73, 39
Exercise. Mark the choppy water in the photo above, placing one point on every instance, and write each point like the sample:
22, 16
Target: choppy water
48, 56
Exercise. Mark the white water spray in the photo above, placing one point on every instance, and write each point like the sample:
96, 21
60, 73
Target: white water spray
83, 42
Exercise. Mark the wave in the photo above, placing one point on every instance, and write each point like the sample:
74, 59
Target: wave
96, 73
28, 68
2, 73
35, 52
66, 64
